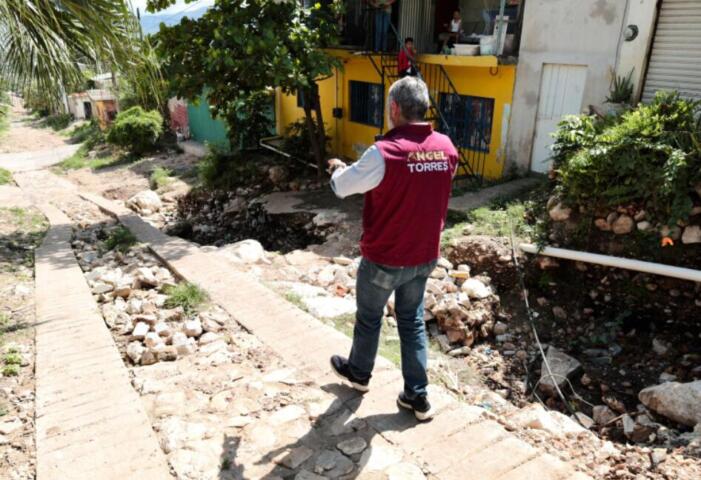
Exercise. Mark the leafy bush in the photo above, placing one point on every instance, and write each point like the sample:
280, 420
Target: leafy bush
226, 170
186, 295
13, 359
160, 177
58, 121
621, 89
121, 239
297, 141
5, 176
88, 134
649, 156
136, 130
11, 370
254, 117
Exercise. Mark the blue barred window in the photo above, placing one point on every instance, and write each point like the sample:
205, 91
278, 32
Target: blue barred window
366, 103
469, 120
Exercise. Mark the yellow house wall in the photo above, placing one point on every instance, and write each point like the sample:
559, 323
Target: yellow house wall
350, 139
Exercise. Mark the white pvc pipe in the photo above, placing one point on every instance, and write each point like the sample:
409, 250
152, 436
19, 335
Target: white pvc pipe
618, 262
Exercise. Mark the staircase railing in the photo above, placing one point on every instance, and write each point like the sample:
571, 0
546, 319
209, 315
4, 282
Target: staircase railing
440, 86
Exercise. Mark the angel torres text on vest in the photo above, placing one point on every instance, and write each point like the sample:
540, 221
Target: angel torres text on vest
431, 161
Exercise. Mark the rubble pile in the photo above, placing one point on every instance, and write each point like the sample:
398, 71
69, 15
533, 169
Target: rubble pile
489, 255
219, 217
130, 288
463, 308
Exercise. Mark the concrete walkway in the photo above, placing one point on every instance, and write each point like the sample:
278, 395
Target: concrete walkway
90, 423
462, 442
471, 200
26, 161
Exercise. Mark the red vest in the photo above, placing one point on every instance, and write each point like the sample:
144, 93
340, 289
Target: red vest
404, 215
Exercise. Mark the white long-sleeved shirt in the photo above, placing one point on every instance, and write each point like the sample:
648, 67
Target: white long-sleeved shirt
362, 176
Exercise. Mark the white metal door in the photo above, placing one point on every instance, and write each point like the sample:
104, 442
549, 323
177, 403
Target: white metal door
675, 60
561, 93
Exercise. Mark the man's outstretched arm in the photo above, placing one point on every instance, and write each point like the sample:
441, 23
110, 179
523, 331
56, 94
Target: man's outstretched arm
362, 176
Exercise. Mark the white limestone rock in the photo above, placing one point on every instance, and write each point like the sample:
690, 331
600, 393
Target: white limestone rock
146, 201
140, 330
534, 416
680, 402
134, 351
559, 213
691, 235
623, 225
329, 307
244, 252
193, 328
474, 288
562, 367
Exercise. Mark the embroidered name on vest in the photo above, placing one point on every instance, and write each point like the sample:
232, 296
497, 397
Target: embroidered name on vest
427, 161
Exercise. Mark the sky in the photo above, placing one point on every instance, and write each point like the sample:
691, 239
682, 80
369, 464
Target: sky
177, 7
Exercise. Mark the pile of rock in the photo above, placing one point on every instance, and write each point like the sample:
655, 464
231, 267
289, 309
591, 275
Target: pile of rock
130, 288
625, 220
464, 307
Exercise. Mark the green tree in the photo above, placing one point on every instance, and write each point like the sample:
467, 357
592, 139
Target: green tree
238, 49
47, 44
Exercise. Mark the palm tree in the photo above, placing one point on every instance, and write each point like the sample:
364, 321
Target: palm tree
47, 43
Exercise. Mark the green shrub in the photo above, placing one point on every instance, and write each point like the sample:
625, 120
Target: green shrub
58, 121
121, 239
89, 134
186, 295
226, 170
621, 89
136, 130
649, 157
5, 176
12, 359
297, 141
11, 370
160, 177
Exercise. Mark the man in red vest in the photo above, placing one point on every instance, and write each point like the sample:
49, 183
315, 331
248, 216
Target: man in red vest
406, 178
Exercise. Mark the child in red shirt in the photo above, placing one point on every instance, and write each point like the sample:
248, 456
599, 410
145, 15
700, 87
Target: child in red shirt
405, 65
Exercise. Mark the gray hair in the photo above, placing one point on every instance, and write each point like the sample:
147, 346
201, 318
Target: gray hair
411, 94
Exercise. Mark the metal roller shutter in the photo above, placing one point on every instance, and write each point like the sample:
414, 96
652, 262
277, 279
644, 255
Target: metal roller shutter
675, 61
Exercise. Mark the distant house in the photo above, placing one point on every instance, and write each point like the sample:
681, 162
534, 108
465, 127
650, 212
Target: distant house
99, 103
80, 106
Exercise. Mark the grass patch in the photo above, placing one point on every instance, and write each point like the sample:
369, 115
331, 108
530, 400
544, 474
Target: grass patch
296, 300
186, 295
10, 370
12, 359
121, 239
81, 159
91, 137
500, 216
5, 176
161, 177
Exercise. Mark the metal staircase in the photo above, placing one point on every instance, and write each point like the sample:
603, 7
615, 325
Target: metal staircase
442, 91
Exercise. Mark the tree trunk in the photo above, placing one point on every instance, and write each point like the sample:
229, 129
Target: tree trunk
311, 128
320, 130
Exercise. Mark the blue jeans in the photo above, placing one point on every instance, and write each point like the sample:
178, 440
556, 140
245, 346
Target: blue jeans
382, 19
375, 284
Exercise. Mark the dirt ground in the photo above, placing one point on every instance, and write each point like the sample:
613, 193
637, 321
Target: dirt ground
120, 182
21, 231
25, 136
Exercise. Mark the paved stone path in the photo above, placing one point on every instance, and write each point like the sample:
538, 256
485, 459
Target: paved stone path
462, 442
90, 423
471, 200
